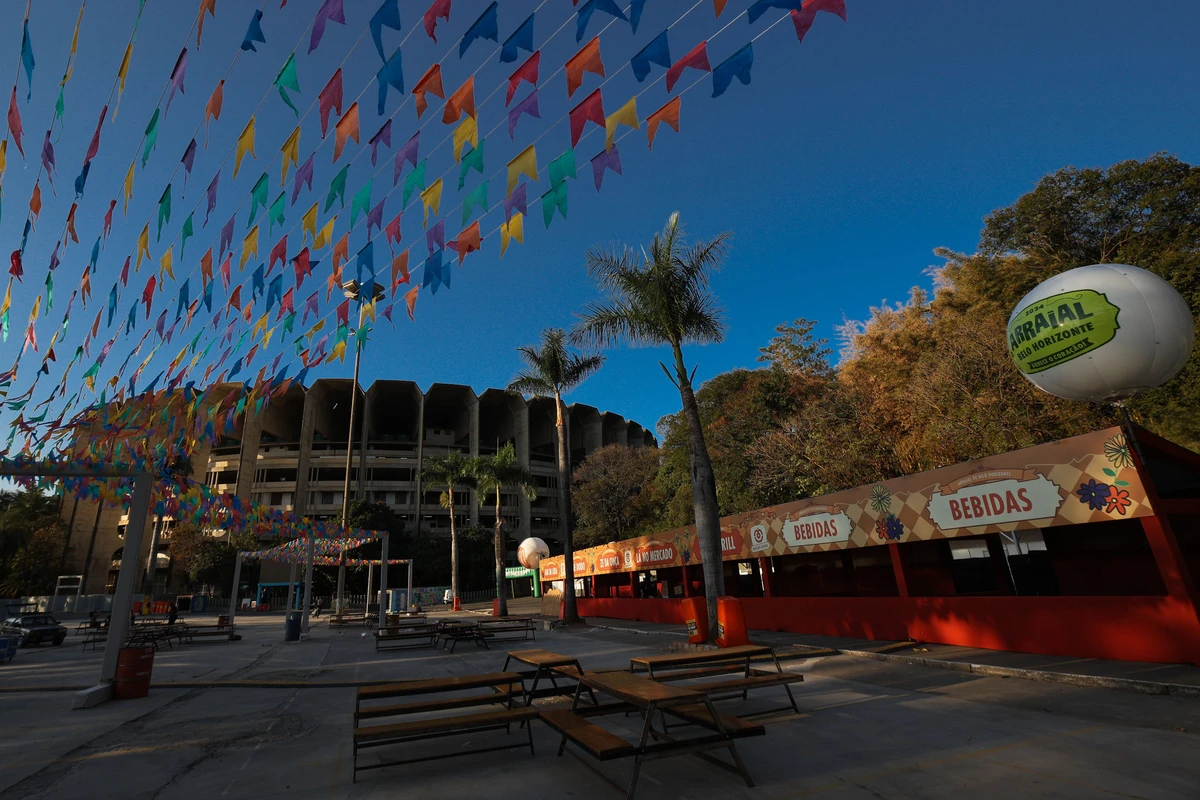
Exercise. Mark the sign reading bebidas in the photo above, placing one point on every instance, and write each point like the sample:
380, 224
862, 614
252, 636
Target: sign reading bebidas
1059, 328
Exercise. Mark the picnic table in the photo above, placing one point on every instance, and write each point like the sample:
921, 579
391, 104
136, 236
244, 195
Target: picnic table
546, 665
634, 692
417, 634
505, 628
453, 631
503, 688
711, 663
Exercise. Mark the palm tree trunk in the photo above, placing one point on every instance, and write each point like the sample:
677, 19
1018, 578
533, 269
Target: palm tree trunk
501, 603
453, 548
570, 609
704, 497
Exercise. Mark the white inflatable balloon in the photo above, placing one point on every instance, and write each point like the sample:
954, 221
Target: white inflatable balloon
531, 552
1101, 333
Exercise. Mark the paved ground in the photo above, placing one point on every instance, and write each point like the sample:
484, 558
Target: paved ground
867, 729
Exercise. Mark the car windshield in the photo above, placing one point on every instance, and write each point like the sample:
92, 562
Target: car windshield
40, 619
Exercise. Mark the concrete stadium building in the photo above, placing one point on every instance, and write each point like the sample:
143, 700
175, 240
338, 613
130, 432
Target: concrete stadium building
293, 457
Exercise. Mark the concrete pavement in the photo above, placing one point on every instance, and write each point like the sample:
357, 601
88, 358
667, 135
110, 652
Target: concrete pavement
867, 729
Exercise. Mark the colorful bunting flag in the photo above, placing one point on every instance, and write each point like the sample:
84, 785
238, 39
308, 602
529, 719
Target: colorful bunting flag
516, 202
461, 102
212, 109
524, 164
584, 15
211, 192
346, 128
658, 52
391, 75
329, 98
14, 121
245, 144
176, 79
254, 33
406, 153
360, 202
384, 136
625, 115
521, 39
249, 247
151, 138
467, 131
415, 180
609, 158
304, 176
330, 11
290, 153
337, 188
485, 27
388, 16
205, 5
477, 197
431, 198
586, 60
439, 9
736, 66
472, 159
513, 229
526, 72
555, 198
590, 110
561, 168
803, 18
430, 83
287, 79
527, 106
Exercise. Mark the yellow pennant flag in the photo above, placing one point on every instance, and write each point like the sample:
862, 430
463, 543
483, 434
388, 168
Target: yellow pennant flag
128, 187
291, 152
249, 244
122, 72
467, 131
524, 164
7, 298
37, 308
267, 337
75, 37
261, 325
366, 310
513, 229
325, 236
3, 156
314, 329
309, 224
245, 144
432, 198
625, 115
143, 247
167, 267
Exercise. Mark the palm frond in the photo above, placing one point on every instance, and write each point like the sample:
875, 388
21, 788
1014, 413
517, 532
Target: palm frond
530, 385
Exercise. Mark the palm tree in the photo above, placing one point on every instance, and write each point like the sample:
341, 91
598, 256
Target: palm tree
661, 296
493, 473
450, 471
552, 371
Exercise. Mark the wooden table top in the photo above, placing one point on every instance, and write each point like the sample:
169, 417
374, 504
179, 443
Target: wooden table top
541, 658
638, 690
703, 656
431, 685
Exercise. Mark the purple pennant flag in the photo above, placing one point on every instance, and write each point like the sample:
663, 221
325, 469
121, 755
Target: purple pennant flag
436, 235
310, 306
177, 78
606, 159
406, 153
304, 175
384, 135
189, 156
330, 11
527, 106
212, 196
54, 262
226, 237
515, 201
375, 217
48, 158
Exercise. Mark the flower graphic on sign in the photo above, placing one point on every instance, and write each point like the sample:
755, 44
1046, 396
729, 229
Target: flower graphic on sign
1118, 500
1116, 450
881, 499
889, 528
1093, 494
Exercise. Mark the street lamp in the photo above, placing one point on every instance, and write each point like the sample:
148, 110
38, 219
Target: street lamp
353, 291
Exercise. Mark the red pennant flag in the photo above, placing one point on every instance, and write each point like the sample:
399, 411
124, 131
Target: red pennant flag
526, 72
71, 223
440, 8
392, 232
669, 114
125, 272
108, 219
590, 110
461, 102
302, 266
586, 60
343, 313
430, 83
696, 59
235, 299
803, 19
330, 97
279, 252
14, 120
148, 295
206, 275
399, 271
225, 271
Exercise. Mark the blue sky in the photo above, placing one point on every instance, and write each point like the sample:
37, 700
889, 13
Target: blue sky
838, 169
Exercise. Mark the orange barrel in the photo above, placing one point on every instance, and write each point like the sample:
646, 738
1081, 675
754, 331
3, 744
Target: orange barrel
695, 616
134, 666
731, 623
222, 620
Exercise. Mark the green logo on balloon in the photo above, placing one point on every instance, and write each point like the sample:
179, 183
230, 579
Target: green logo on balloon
1060, 328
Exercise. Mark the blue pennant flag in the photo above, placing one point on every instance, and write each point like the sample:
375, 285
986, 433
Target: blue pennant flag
390, 74
737, 65
591, 6
657, 52
254, 33
387, 16
483, 28
521, 39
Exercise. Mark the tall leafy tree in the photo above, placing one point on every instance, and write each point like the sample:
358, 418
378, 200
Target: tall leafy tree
494, 473
661, 295
615, 496
552, 370
452, 471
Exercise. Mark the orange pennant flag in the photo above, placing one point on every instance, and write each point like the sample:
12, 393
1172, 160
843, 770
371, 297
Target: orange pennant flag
668, 114
399, 271
719, 6
461, 102
430, 83
468, 241
346, 128
213, 109
35, 202
341, 251
410, 300
586, 60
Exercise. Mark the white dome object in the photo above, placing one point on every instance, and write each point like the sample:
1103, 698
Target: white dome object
531, 552
1101, 333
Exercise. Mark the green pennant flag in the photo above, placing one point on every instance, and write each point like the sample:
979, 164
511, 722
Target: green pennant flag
414, 181
164, 210
360, 336
555, 198
288, 322
361, 202
59, 106
286, 79
151, 138
342, 335
472, 159
185, 234
337, 188
49, 290
258, 197
562, 168
477, 197
275, 212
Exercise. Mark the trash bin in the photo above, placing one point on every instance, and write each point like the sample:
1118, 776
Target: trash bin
291, 627
199, 604
134, 666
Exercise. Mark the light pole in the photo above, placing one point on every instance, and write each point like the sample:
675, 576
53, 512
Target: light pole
353, 291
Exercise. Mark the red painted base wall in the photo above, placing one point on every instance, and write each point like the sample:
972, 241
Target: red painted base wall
1123, 628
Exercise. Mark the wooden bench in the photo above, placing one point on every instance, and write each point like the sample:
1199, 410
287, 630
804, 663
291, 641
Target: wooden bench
203, 632
453, 633
407, 637
509, 629
503, 688
340, 620
735, 661
95, 637
597, 742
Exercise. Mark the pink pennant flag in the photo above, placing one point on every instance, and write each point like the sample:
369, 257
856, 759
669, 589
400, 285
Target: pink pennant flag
330, 98
392, 232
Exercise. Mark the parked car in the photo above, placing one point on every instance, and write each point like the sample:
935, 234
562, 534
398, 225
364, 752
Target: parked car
33, 629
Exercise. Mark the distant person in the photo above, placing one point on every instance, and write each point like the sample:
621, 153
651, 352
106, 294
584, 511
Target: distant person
93, 619
446, 598
172, 613
316, 609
